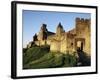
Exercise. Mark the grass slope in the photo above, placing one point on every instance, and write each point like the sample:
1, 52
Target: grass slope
34, 53
47, 61
40, 57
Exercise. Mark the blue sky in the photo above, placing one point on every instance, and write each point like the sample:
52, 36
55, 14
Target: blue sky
32, 21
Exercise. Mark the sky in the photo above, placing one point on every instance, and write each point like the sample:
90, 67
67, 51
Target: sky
32, 21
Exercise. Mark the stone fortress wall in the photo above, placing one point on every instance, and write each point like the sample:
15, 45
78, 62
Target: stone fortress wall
61, 41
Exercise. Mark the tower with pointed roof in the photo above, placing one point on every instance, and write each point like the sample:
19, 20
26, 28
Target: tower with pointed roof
42, 34
59, 29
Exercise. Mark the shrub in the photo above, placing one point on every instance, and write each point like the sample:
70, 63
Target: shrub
24, 50
70, 60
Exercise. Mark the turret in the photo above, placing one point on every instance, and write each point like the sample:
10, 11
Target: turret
43, 32
35, 37
43, 28
59, 29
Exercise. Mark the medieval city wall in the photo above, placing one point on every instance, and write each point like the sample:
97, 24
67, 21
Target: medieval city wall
55, 46
65, 42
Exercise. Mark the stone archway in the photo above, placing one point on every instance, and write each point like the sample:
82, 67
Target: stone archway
79, 43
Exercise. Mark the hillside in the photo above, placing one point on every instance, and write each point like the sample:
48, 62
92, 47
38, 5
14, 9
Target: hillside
40, 57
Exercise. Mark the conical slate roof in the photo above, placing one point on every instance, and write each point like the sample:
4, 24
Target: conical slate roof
59, 25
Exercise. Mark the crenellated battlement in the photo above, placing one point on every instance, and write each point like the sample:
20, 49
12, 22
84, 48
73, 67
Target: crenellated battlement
82, 21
